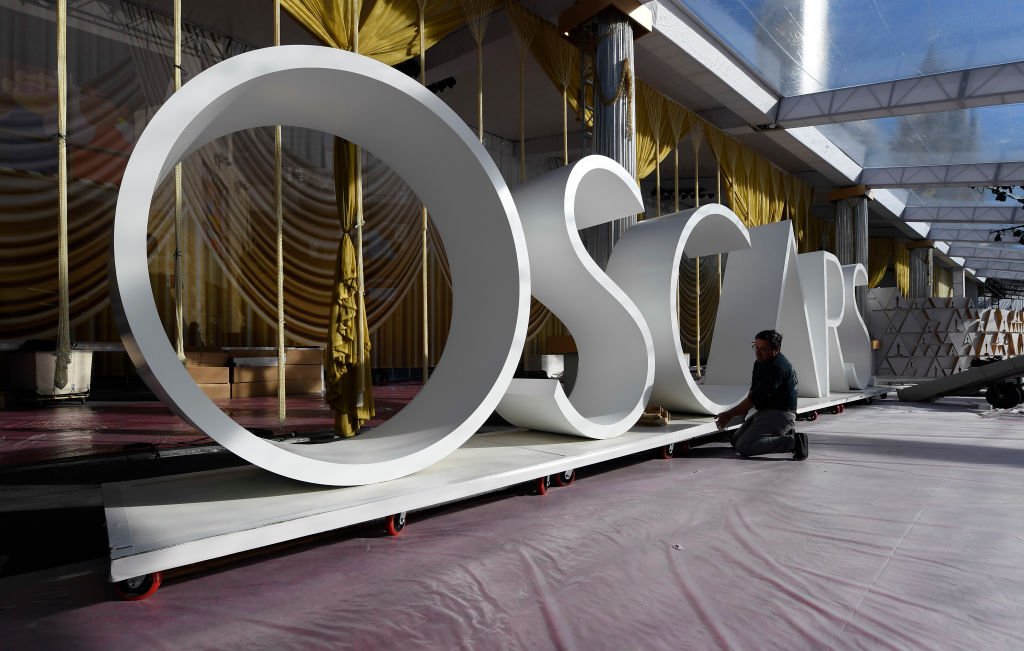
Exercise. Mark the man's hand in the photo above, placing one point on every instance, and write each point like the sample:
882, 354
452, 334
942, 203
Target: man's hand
722, 419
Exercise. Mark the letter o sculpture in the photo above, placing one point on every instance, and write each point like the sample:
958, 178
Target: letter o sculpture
431, 148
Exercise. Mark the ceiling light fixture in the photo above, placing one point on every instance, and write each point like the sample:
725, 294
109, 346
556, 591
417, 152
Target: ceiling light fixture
1003, 192
1017, 232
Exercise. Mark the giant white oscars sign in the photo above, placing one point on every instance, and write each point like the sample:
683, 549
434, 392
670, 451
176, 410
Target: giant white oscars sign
624, 320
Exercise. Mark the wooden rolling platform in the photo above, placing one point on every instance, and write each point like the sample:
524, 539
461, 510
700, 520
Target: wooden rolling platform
162, 523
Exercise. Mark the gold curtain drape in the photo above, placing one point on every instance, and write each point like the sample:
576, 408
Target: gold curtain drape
709, 297
901, 266
882, 251
653, 142
347, 382
879, 256
943, 282
388, 32
560, 61
760, 193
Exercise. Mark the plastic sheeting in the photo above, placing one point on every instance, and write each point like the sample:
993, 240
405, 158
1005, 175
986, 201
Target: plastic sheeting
902, 530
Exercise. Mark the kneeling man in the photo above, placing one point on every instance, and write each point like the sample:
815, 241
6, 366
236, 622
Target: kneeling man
773, 394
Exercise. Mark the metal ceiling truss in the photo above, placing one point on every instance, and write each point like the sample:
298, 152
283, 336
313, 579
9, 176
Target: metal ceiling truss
1009, 173
1008, 214
1012, 288
991, 85
996, 267
995, 250
970, 234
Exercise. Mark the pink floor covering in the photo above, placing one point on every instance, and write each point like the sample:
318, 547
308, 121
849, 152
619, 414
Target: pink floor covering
66, 431
903, 530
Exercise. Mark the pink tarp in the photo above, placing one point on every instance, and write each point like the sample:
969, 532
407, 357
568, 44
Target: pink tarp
903, 530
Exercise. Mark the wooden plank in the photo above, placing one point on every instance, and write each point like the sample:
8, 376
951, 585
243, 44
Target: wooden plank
264, 389
216, 391
292, 372
210, 374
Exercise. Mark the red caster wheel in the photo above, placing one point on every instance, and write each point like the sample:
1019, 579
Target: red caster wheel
840, 409
542, 484
565, 478
139, 587
395, 524
667, 451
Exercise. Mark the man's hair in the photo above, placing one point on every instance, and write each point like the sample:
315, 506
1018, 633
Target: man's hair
773, 338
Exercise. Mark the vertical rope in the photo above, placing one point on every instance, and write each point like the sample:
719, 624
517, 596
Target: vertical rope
676, 156
478, 12
653, 102
361, 316
718, 198
63, 347
565, 125
424, 280
696, 261
179, 282
279, 212
525, 26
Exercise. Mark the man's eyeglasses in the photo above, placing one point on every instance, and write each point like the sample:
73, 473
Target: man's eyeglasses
760, 349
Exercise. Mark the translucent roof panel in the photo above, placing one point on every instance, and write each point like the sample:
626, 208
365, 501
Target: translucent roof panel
989, 134
806, 46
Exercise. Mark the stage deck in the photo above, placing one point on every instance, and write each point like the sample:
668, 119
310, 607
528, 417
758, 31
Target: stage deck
162, 523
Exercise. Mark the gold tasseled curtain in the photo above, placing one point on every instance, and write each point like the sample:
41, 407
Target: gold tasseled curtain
388, 31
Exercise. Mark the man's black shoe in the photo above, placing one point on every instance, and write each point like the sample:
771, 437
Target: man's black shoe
801, 447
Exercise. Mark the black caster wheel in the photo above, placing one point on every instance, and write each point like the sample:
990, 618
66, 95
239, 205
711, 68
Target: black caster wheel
395, 524
808, 416
667, 451
1003, 395
139, 587
565, 478
542, 484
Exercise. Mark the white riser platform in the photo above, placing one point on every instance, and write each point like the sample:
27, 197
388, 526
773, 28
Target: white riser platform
167, 522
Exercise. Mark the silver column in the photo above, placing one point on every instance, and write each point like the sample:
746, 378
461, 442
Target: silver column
614, 116
852, 238
959, 282
921, 272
